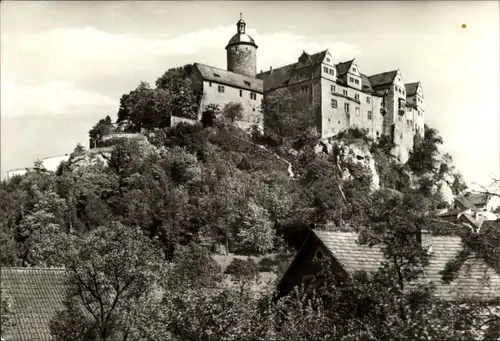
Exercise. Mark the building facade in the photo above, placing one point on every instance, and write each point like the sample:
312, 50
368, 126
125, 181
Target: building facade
337, 96
340, 97
236, 84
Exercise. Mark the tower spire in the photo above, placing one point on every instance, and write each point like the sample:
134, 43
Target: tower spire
240, 24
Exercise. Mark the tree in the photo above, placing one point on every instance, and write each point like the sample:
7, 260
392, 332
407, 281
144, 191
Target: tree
111, 271
39, 227
183, 101
287, 116
256, 233
423, 158
103, 127
209, 116
233, 111
145, 108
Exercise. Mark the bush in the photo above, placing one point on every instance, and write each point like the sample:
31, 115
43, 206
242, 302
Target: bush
242, 269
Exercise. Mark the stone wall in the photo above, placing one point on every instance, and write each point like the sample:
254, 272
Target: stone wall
242, 59
251, 107
174, 120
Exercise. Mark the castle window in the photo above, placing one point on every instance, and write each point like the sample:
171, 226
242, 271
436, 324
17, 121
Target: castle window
356, 97
247, 83
378, 133
253, 109
332, 88
368, 100
216, 75
353, 69
369, 115
339, 122
328, 60
351, 79
253, 95
325, 69
209, 83
241, 93
356, 81
357, 111
346, 107
332, 72
220, 88
334, 103
345, 92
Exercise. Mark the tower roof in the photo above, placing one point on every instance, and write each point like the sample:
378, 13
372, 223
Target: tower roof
241, 37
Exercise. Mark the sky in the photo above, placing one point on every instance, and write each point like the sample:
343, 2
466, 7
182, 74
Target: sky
65, 65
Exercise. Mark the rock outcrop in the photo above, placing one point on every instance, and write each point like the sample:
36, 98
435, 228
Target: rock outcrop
90, 157
354, 159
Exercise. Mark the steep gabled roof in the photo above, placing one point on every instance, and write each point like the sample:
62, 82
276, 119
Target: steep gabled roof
381, 79
277, 77
343, 68
365, 83
473, 200
37, 295
454, 213
411, 88
478, 199
217, 75
318, 57
352, 256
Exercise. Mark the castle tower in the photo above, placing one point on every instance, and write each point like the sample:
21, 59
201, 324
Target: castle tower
242, 52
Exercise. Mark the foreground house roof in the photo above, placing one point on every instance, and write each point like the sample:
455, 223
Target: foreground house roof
37, 295
476, 199
475, 278
230, 78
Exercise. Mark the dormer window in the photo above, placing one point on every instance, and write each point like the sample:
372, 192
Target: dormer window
216, 75
247, 83
328, 60
353, 69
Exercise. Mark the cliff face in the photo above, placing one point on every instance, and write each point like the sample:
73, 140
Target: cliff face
353, 159
90, 157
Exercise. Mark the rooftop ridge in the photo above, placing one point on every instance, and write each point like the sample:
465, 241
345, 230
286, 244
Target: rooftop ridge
21, 268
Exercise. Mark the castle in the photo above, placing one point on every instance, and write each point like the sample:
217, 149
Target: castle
337, 96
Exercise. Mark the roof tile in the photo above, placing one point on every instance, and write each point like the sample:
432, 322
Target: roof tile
37, 294
384, 78
217, 75
352, 256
